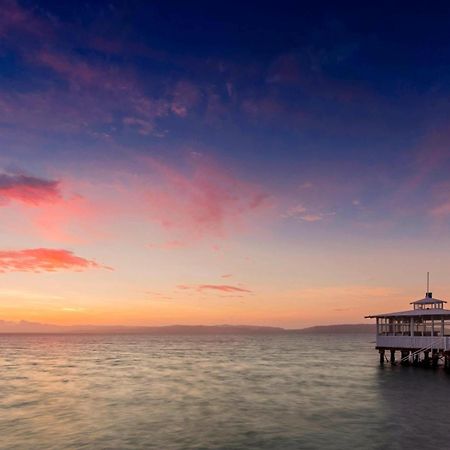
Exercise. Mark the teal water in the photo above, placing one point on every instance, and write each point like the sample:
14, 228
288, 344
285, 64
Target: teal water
215, 392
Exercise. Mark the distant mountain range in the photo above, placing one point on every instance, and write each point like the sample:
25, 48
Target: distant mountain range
35, 327
338, 329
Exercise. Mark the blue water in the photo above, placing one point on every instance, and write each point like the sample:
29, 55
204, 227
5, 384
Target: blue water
215, 392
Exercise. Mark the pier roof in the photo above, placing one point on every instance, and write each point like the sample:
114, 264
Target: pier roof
427, 301
433, 312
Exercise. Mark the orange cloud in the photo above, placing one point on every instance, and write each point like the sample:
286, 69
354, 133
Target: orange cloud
28, 189
44, 260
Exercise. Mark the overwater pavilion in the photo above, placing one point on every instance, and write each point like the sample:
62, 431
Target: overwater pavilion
415, 333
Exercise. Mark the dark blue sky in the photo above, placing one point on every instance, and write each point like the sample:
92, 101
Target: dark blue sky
279, 91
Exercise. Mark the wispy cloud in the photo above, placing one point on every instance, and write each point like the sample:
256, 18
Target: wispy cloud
51, 208
28, 189
205, 200
45, 260
227, 288
222, 288
185, 97
80, 95
300, 212
15, 18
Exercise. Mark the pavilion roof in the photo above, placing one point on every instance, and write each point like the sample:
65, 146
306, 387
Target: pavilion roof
435, 312
427, 301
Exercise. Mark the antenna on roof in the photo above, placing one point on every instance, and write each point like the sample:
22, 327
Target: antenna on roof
429, 294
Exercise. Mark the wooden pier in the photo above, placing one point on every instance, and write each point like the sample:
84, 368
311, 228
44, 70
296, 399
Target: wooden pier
420, 336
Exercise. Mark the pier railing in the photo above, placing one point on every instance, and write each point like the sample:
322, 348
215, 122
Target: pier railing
414, 342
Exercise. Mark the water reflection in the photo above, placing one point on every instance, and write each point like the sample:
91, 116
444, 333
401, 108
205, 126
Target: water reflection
414, 402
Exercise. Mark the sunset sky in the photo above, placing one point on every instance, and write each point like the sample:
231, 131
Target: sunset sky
206, 163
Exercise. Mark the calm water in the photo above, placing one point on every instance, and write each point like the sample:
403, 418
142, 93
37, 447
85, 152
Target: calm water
215, 392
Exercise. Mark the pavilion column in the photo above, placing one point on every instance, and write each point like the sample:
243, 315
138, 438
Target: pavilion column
442, 326
411, 326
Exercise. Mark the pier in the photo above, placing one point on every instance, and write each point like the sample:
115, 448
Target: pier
419, 336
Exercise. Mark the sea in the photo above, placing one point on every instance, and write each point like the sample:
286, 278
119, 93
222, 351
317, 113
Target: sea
215, 392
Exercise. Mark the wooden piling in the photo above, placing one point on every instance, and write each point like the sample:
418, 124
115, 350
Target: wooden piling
381, 355
405, 359
392, 356
434, 358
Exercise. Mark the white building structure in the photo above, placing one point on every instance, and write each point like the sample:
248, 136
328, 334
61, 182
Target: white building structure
416, 332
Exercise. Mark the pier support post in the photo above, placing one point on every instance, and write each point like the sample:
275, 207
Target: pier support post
434, 358
426, 358
381, 356
392, 356
404, 354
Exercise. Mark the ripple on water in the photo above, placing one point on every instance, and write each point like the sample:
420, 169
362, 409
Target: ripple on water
214, 392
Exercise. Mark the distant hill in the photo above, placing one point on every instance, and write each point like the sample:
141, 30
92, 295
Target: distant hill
34, 327
338, 329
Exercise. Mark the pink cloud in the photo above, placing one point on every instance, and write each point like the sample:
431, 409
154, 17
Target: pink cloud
184, 287
44, 260
123, 89
55, 111
13, 17
204, 200
185, 96
28, 189
200, 202
425, 164
53, 209
440, 198
285, 69
95, 96
69, 220
222, 288
266, 108
214, 287
294, 69
74, 69
442, 210
227, 275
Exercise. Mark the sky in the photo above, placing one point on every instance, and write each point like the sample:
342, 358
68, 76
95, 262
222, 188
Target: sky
201, 162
